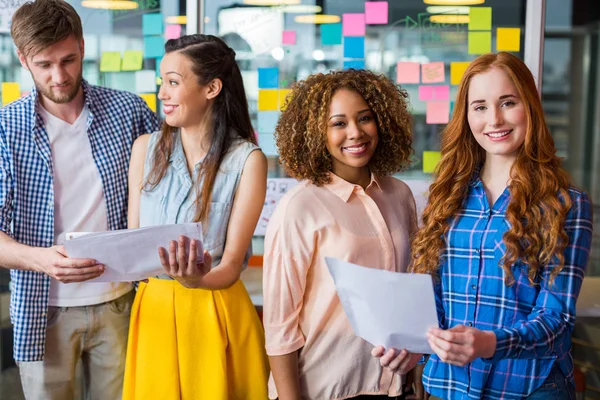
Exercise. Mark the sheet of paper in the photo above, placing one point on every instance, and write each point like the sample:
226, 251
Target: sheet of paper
150, 99
354, 47
110, 61
508, 39
386, 308
480, 18
268, 78
408, 72
276, 188
437, 112
173, 31
457, 70
145, 81
353, 25
11, 91
152, 24
480, 42
132, 60
289, 37
331, 34
268, 100
376, 12
433, 72
154, 47
131, 254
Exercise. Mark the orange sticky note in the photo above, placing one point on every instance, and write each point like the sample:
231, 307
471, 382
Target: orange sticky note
457, 70
150, 99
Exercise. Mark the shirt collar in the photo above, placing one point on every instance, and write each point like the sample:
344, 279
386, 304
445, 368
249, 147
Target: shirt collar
344, 189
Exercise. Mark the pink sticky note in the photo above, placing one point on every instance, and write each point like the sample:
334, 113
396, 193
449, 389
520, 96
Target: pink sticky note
289, 37
442, 92
438, 112
353, 25
426, 93
433, 72
376, 12
173, 31
408, 72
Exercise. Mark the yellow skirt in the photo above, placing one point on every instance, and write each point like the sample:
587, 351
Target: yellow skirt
194, 344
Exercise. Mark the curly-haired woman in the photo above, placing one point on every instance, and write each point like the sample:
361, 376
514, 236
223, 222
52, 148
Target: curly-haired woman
508, 238
343, 133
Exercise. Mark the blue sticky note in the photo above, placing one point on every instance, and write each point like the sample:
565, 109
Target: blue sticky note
354, 47
267, 121
152, 24
268, 78
331, 34
158, 60
356, 64
451, 108
266, 141
154, 46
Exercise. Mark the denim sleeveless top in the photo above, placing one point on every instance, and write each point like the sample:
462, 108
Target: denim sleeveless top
172, 200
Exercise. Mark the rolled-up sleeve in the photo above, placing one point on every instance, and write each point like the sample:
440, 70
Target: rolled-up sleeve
287, 259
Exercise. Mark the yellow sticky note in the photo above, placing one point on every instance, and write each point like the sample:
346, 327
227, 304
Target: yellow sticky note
132, 60
268, 99
480, 42
508, 39
430, 160
457, 70
283, 94
110, 61
11, 91
480, 18
150, 99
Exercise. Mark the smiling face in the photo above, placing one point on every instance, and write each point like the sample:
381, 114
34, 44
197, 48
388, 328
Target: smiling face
352, 133
185, 101
497, 116
57, 70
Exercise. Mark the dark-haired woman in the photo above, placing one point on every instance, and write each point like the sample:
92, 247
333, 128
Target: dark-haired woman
194, 332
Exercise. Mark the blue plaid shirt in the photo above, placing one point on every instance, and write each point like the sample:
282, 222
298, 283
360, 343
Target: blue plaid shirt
533, 324
116, 119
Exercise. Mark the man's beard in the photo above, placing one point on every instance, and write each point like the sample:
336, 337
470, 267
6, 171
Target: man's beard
63, 98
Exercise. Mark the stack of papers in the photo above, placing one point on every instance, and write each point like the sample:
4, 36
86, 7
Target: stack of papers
130, 254
386, 308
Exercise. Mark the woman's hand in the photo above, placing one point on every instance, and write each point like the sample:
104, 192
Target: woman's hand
181, 262
400, 362
460, 345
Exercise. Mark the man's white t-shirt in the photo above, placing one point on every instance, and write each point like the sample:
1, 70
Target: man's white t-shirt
79, 204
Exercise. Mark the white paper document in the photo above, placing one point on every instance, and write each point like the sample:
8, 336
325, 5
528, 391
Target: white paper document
386, 308
130, 254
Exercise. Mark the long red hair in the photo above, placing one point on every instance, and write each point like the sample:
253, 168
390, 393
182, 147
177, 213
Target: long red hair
539, 198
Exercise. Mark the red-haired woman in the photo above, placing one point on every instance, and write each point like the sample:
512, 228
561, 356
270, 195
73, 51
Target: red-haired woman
507, 237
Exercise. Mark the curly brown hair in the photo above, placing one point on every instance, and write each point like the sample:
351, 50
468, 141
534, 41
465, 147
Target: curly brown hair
539, 198
301, 132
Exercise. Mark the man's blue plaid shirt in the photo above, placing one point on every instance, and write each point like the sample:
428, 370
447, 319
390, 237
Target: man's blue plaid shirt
116, 119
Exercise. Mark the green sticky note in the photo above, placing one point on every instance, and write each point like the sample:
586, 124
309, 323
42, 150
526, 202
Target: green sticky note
110, 61
430, 160
480, 18
480, 42
132, 60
